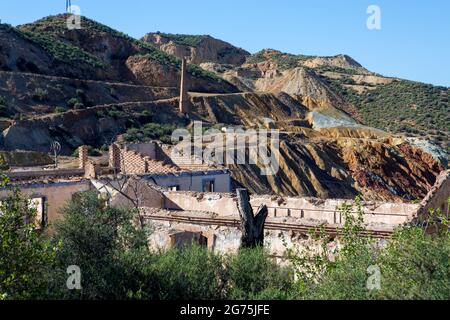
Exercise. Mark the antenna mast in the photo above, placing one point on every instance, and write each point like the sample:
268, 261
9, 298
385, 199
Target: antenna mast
68, 5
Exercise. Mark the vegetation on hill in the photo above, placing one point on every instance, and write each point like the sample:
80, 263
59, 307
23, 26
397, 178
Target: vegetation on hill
109, 246
150, 132
183, 39
58, 50
402, 106
55, 25
284, 60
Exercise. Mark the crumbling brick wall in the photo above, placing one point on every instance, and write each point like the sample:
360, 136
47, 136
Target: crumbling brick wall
82, 156
129, 160
114, 156
132, 162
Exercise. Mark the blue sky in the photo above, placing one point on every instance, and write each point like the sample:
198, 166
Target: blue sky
413, 43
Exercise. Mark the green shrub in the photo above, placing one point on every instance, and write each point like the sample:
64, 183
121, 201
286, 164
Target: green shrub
72, 102
78, 106
92, 152
253, 274
26, 257
192, 272
98, 239
40, 94
60, 109
149, 132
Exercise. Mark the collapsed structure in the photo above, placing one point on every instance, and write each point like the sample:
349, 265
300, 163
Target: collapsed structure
182, 203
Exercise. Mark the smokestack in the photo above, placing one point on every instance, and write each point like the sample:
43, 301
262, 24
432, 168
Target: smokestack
184, 99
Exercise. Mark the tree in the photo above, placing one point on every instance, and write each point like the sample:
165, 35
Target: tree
26, 256
252, 226
99, 239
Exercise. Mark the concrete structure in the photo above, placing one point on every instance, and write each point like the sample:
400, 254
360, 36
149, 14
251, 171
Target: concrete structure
213, 218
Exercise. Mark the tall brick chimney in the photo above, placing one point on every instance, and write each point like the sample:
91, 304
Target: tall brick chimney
83, 156
184, 99
114, 156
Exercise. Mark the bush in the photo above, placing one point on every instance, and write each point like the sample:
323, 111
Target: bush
151, 131
72, 102
98, 238
92, 152
192, 272
26, 257
60, 109
78, 106
252, 274
40, 94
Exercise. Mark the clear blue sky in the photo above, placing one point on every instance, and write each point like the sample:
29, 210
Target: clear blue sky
413, 43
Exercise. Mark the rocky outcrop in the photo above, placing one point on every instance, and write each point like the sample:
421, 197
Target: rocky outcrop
93, 126
376, 170
340, 61
150, 73
22, 53
24, 159
123, 58
198, 49
19, 93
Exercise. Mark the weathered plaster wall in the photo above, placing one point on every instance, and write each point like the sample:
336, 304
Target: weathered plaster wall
308, 208
56, 194
227, 239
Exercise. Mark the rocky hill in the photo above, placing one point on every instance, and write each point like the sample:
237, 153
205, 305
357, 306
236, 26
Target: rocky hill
344, 130
197, 49
394, 105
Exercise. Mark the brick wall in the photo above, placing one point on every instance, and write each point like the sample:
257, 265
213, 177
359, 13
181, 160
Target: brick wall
82, 156
114, 156
132, 162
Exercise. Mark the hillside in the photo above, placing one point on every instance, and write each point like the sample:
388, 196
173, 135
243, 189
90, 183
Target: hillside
395, 105
340, 124
124, 58
198, 49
